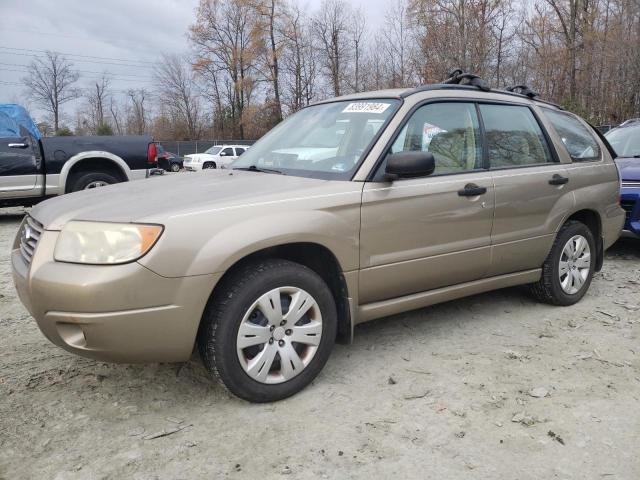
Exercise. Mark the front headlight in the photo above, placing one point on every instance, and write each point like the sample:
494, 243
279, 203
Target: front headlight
103, 243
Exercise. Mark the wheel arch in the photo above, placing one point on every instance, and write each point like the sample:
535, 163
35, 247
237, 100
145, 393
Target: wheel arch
316, 257
84, 161
592, 219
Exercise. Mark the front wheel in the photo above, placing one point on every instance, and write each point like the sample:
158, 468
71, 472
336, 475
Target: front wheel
568, 270
175, 167
268, 330
208, 165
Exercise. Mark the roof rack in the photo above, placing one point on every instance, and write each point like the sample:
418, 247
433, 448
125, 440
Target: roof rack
523, 90
460, 77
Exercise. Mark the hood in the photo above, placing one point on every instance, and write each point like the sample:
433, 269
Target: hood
200, 155
155, 199
629, 168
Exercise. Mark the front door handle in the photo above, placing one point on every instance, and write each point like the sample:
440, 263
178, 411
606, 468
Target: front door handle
558, 180
18, 145
472, 190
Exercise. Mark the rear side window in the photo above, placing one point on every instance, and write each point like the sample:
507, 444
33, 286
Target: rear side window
577, 139
514, 137
239, 151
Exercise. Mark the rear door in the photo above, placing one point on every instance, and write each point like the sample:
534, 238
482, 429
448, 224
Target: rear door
19, 166
531, 188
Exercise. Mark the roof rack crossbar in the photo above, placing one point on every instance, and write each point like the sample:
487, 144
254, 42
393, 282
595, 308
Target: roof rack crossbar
460, 77
523, 90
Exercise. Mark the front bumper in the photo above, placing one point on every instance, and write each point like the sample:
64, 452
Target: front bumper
192, 166
120, 313
630, 202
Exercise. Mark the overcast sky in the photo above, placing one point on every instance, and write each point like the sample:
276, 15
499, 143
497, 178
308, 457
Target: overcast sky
121, 37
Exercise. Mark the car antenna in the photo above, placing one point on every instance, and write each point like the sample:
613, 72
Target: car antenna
523, 90
460, 77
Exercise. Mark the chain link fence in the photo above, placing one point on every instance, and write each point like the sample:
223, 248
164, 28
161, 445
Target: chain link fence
187, 147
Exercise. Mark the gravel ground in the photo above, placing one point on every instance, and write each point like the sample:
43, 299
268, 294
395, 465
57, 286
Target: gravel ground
492, 386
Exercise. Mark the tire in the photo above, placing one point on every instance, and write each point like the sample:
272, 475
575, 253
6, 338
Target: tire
233, 306
175, 167
208, 165
549, 289
83, 181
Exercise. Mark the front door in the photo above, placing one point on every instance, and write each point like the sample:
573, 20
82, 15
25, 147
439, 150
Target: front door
424, 233
19, 166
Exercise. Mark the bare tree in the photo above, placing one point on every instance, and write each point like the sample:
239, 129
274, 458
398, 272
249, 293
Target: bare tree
50, 83
138, 117
331, 26
358, 31
271, 13
300, 60
97, 97
226, 41
178, 94
114, 109
396, 46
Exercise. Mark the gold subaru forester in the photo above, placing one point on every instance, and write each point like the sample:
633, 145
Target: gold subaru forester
352, 209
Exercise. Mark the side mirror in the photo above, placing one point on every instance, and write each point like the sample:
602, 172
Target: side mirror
410, 165
223, 154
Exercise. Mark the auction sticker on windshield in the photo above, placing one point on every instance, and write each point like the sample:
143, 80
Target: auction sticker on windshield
366, 107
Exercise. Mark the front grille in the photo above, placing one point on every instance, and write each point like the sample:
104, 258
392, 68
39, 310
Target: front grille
630, 184
29, 237
628, 206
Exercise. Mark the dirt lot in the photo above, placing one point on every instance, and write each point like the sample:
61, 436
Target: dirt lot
493, 386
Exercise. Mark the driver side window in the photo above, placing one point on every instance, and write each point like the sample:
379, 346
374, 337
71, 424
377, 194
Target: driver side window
450, 131
227, 152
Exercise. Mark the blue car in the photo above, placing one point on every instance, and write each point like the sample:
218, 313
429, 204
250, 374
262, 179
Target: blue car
625, 140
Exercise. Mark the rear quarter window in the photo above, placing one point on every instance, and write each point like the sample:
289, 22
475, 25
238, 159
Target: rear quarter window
579, 142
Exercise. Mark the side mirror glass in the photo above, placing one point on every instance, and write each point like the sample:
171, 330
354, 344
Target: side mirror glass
410, 164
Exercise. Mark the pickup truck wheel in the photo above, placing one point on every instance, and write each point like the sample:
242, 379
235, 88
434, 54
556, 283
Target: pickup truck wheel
86, 181
268, 330
568, 270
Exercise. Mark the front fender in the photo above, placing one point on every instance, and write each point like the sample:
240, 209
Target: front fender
195, 249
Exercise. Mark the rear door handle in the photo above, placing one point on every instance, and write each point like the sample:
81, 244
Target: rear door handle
18, 145
558, 180
472, 190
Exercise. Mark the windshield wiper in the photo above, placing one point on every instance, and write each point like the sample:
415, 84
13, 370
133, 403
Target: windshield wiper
253, 168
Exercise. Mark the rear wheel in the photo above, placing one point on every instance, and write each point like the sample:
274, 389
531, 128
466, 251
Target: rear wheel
175, 167
87, 181
268, 330
568, 270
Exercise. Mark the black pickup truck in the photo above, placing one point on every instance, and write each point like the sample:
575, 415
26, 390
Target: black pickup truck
33, 168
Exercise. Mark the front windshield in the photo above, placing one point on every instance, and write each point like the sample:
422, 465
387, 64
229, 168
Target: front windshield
321, 141
213, 150
625, 141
